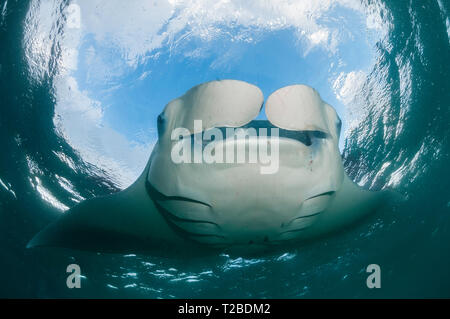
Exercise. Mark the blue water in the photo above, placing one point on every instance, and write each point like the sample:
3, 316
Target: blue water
400, 140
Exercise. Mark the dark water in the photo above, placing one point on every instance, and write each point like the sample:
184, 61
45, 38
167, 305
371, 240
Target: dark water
402, 142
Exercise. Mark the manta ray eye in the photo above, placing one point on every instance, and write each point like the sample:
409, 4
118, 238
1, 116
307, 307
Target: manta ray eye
339, 126
161, 123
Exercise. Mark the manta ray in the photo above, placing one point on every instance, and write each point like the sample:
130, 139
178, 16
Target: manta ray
191, 207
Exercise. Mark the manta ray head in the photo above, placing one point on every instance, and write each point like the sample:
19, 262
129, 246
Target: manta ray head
224, 202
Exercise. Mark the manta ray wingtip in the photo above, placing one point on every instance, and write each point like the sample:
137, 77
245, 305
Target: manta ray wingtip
43, 238
51, 235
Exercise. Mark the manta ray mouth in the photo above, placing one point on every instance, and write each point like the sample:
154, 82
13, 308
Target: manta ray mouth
303, 136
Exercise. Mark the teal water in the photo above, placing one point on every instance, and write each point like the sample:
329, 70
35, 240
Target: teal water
401, 141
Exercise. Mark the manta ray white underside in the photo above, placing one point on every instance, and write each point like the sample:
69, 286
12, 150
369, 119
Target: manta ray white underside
202, 207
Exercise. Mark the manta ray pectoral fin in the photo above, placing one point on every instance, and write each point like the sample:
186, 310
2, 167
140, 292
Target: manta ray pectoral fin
350, 204
93, 224
127, 220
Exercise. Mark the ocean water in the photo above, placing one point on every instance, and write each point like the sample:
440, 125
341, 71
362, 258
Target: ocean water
396, 136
